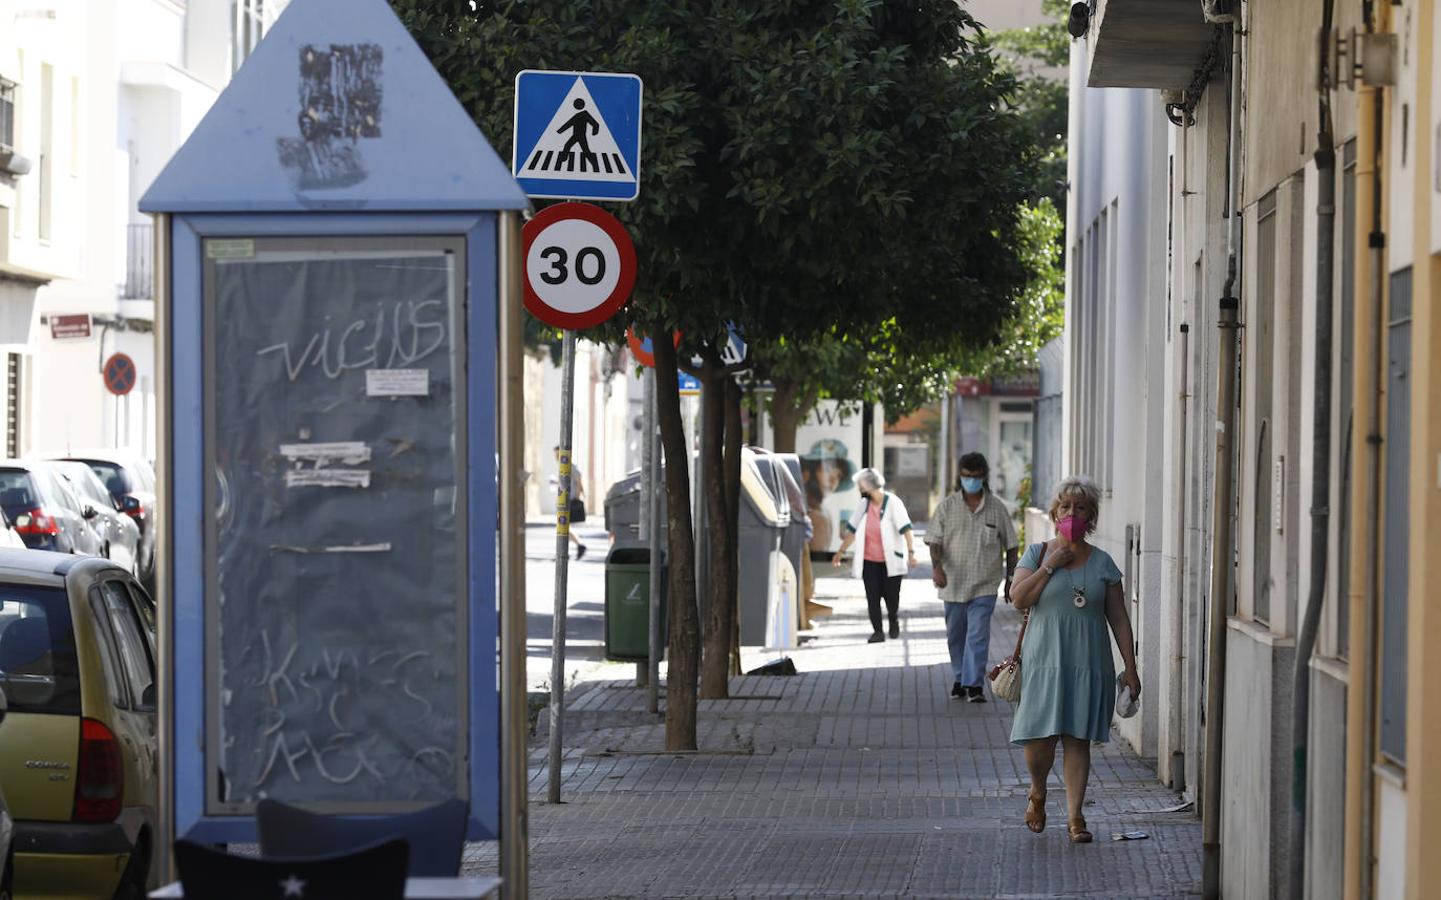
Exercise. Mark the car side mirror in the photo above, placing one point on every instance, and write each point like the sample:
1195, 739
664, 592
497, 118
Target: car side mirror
89, 512
129, 504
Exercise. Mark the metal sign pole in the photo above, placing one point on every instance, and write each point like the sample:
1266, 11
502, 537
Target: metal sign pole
514, 822
652, 499
562, 563
705, 468
647, 520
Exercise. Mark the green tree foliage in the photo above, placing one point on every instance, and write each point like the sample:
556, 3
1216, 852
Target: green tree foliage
806, 163
851, 168
886, 366
1042, 98
1046, 44
1040, 315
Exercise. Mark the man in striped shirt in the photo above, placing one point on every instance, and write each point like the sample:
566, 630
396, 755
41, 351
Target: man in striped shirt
969, 536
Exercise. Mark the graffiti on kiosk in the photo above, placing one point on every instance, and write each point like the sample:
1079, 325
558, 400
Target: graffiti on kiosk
395, 337
312, 720
340, 101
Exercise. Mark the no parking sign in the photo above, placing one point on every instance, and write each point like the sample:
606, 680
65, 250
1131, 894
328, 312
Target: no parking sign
119, 374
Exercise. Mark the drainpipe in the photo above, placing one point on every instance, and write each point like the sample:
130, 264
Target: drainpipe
1376, 243
1222, 552
1176, 700
1320, 454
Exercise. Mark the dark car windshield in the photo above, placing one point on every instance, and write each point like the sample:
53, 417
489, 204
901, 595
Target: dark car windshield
116, 480
85, 485
18, 492
38, 668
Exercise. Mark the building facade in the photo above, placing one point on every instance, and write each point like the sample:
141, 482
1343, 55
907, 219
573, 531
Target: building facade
1208, 211
96, 95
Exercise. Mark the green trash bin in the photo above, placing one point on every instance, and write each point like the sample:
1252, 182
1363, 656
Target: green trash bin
627, 602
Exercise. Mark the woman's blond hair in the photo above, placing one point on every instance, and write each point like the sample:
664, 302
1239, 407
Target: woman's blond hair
1079, 486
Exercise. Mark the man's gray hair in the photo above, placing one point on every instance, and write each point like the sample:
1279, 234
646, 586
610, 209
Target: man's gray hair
870, 479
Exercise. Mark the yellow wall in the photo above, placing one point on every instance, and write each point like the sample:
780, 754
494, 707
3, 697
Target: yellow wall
1423, 708
1409, 229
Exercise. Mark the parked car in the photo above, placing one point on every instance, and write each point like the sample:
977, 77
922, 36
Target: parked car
78, 746
46, 513
130, 479
118, 532
7, 835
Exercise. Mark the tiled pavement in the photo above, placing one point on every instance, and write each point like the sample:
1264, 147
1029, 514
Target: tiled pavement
857, 777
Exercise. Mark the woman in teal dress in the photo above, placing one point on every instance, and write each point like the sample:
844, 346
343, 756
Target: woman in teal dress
1068, 681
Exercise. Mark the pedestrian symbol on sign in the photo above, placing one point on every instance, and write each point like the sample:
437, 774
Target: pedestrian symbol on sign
580, 126
554, 153
577, 134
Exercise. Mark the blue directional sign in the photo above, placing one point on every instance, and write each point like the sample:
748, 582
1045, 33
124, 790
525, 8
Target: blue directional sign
735, 349
577, 135
689, 385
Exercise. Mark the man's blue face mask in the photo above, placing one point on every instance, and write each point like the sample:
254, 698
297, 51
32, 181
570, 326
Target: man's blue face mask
972, 485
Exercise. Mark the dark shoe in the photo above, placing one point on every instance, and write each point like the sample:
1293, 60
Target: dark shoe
895, 629
877, 638
958, 692
976, 695
579, 551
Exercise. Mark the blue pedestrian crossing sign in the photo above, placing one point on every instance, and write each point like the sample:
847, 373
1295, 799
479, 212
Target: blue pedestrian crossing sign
577, 135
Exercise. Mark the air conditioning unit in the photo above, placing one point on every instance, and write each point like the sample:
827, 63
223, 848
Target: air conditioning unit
13, 162
1219, 12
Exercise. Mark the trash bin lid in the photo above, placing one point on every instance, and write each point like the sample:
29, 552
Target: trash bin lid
754, 490
631, 553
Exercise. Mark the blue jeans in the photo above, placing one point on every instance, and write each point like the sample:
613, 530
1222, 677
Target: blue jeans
968, 636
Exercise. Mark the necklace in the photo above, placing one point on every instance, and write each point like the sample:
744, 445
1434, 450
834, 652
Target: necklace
1078, 591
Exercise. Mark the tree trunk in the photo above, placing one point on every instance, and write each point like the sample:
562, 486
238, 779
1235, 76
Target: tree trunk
784, 420
721, 599
789, 408
733, 445
683, 640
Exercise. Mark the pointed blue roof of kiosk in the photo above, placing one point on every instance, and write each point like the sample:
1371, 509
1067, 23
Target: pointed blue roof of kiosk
383, 131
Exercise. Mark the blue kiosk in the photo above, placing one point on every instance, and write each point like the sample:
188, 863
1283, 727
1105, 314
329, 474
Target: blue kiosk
337, 237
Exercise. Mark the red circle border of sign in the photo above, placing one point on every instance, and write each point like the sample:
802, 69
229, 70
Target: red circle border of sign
637, 348
623, 244
114, 359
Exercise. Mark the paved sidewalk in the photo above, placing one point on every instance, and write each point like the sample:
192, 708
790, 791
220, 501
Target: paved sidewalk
858, 777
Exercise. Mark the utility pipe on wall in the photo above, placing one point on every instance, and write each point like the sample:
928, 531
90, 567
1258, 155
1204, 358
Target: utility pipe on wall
1176, 694
1320, 454
1376, 244
1222, 553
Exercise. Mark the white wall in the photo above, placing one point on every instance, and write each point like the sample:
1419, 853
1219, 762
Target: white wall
1116, 350
139, 105
601, 425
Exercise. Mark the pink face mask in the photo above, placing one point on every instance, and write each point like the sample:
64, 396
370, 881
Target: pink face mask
1073, 528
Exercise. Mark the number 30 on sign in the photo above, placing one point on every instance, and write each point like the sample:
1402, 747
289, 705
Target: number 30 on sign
579, 265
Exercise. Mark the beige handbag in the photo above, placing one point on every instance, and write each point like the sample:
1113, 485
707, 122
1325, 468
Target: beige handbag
1006, 676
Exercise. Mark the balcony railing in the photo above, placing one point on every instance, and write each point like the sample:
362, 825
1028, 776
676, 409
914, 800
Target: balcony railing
139, 281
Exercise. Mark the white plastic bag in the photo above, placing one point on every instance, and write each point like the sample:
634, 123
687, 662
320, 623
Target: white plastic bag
1126, 705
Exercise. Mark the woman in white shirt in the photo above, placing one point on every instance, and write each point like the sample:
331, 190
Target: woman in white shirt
877, 529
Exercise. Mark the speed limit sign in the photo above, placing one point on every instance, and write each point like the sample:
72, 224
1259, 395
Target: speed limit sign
579, 265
